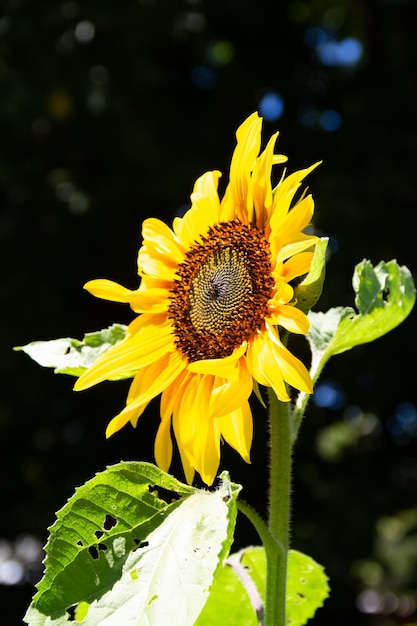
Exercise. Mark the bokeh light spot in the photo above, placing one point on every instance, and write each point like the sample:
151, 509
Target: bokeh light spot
329, 395
11, 572
402, 424
221, 52
85, 31
204, 77
315, 36
346, 52
350, 51
271, 106
330, 120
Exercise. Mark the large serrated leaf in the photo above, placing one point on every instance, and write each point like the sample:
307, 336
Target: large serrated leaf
121, 552
71, 356
384, 296
307, 588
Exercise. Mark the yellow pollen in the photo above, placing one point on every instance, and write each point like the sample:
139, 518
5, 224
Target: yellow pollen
221, 295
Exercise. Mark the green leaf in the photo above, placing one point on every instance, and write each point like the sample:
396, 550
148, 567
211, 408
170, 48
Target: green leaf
384, 297
73, 357
309, 290
307, 588
134, 546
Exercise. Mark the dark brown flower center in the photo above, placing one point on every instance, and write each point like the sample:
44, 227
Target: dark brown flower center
220, 297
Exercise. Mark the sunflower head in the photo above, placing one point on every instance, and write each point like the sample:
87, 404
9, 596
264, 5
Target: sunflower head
215, 292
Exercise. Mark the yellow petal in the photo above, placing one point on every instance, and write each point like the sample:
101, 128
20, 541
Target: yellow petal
160, 253
163, 445
296, 266
203, 213
171, 396
129, 414
187, 418
161, 237
290, 318
225, 367
227, 396
150, 300
146, 346
208, 464
284, 193
153, 264
299, 243
109, 290
196, 433
261, 183
264, 366
243, 161
237, 429
293, 370
300, 215
150, 381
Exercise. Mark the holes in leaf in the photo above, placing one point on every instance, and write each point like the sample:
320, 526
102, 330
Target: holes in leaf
80, 543
93, 552
140, 544
109, 522
99, 534
78, 612
166, 495
71, 613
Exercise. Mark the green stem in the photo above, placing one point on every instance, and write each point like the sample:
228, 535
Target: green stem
279, 510
317, 364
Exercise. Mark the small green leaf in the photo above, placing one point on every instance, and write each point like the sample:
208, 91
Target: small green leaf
307, 588
385, 295
309, 290
134, 546
73, 357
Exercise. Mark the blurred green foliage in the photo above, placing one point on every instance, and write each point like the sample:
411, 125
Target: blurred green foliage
108, 113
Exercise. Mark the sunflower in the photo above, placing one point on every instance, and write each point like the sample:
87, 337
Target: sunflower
214, 293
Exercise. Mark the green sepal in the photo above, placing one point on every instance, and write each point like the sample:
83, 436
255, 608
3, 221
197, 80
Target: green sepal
308, 291
71, 356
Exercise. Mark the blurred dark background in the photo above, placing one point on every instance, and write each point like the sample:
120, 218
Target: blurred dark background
108, 113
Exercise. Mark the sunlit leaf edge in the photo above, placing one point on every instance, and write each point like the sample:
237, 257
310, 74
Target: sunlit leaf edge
72, 356
342, 328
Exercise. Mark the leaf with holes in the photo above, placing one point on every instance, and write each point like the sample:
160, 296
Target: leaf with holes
384, 297
71, 356
307, 588
128, 544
